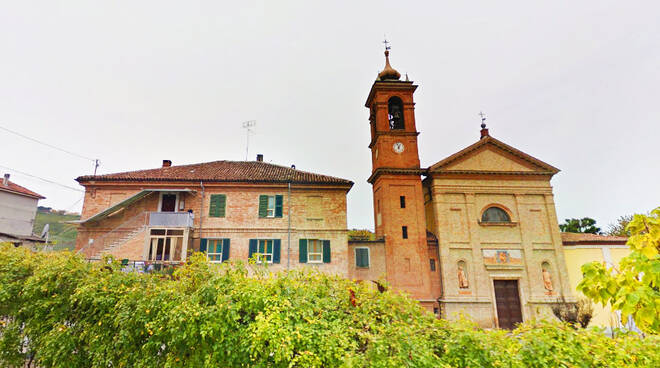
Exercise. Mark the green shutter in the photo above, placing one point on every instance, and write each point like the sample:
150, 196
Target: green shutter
263, 205
362, 257
279, 200
225, 249
326, 251
217, 205
254, 244
222, 203
276, 250
302, 255
202, 245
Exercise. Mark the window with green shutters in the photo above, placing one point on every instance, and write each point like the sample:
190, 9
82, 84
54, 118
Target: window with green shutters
217, 250
314, 251
270, 206
362, 257
265, 250
217, 205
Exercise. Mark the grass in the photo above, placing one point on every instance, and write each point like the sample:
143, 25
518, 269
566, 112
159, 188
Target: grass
63, 234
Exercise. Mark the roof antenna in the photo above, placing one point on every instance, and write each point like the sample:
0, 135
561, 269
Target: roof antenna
247, 125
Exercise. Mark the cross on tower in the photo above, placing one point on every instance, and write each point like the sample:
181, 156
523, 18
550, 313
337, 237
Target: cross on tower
483, 120
387, 44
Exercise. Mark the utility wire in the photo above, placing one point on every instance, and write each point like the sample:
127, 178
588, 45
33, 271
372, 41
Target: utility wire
46, 180
49, 145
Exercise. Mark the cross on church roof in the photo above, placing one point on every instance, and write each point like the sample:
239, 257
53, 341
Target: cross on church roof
483, 120
387, 44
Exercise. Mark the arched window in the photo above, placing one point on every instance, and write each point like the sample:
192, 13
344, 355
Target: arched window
495, 214
395, 113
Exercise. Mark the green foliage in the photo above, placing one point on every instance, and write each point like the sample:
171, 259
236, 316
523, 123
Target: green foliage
619, 228
634, 286
62, 234
361, 234
583, 225
65, 312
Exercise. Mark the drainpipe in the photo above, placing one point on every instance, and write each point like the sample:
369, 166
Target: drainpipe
201, 212
288, 249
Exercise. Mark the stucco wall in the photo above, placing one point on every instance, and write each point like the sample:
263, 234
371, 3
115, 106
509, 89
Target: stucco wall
17, 213
576, 256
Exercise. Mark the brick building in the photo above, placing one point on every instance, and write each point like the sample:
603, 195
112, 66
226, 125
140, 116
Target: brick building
230, 209
478, 235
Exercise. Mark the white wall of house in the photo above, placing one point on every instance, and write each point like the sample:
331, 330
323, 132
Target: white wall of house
17, 213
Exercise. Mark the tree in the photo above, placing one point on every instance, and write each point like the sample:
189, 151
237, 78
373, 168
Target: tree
633, 287
584, 225
619, 228
361, 234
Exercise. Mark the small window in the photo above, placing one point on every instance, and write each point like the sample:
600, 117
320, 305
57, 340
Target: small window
265, 251
495, 214
314, 251
362, 257
404, 232
402, 201
271, 207
435, 310
432, 265
214, 250
217, 205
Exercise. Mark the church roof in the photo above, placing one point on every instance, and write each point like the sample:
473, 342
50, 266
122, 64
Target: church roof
588, 239
223, 171
539, 167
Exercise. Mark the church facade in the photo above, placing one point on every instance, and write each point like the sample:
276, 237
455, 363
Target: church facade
475, 233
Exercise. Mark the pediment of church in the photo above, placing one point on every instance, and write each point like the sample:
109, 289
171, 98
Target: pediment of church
492, 156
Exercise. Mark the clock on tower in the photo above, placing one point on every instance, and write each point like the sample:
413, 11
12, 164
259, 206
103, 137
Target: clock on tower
397, 186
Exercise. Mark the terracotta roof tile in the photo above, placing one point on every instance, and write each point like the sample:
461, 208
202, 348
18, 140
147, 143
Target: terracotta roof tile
223, 171
586, 238
15, 188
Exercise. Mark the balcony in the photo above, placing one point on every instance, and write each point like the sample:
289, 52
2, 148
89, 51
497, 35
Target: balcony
170, 219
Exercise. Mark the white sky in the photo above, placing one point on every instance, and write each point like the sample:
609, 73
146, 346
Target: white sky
575, 84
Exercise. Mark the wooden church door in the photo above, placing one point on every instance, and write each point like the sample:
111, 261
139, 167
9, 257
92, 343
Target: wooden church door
507, 300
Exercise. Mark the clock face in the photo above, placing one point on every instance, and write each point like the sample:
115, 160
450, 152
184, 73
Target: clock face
398, 147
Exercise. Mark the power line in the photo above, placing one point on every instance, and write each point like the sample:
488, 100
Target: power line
46, 180
50, 145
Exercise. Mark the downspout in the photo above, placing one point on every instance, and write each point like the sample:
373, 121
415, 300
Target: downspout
201, 212
288, 249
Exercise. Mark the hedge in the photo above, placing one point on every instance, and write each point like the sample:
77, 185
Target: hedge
57, 310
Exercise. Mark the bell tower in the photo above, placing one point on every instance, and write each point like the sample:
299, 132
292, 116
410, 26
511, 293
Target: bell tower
397, 186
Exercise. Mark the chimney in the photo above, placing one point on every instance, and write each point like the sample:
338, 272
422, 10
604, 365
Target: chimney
167, 163
260, 157
5, 181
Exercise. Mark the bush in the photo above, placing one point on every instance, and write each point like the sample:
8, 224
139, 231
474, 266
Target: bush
61, 311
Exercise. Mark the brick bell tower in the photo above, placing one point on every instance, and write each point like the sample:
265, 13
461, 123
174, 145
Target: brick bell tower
397, 186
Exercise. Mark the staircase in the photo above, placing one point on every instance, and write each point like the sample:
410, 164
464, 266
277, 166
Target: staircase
116, 237
119, 242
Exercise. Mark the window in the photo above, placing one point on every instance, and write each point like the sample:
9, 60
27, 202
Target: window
495, 214
314, 251
270, 205
217, 250
362, 257
395, 113
217, 205
402, 201
432, 265
265, 250
165, 245
404, 232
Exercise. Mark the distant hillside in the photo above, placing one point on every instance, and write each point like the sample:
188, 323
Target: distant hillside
63, 234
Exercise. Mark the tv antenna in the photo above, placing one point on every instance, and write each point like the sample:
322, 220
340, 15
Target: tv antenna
248, 125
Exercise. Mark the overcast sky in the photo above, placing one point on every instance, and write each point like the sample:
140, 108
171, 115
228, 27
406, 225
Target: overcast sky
575, 84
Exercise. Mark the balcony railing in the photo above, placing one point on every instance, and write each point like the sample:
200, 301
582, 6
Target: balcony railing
171, 219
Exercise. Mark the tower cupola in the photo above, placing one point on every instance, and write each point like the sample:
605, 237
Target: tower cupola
388, 72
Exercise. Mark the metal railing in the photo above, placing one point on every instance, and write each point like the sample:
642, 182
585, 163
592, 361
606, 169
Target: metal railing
171, 219
143, 266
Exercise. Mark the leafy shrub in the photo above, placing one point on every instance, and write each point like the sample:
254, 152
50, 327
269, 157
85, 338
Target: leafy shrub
64, 312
